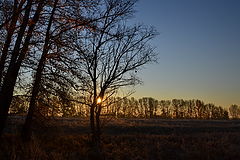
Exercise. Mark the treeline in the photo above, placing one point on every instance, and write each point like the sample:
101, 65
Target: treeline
176, 108
234, 111
132, 108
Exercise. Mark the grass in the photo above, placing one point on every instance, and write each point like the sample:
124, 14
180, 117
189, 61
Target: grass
124, 139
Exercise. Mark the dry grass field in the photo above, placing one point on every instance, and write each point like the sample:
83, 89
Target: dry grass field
123, 139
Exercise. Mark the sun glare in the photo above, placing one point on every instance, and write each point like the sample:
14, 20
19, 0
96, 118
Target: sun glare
99, 100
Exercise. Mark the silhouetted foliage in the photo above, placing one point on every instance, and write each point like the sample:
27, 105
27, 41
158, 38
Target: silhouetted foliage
234, 111
142, 108
19, 105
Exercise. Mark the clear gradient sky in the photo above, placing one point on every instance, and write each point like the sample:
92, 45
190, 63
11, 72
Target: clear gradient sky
199, 50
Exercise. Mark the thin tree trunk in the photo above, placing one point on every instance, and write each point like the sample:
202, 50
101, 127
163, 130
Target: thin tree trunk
92, 123
93, 107
98, 123
27, 127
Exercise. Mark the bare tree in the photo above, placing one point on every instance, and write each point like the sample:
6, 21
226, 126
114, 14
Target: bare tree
111, 56
27, 126
64, 18
21, 45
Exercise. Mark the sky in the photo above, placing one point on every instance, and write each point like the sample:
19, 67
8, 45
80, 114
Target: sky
198, 48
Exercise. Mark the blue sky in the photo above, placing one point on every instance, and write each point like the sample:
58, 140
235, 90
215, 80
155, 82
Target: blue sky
199, 50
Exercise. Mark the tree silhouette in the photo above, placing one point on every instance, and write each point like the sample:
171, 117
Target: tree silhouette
110, 56
20, 49
234, 111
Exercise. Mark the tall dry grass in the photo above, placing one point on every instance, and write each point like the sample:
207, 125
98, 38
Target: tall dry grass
128, 140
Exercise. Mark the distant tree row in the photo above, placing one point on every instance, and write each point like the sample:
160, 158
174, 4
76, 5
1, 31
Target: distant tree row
176, 108
234, 111
132, 108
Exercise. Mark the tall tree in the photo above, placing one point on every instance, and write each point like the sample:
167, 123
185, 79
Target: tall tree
27, 125
64, 19
18, 54
110, 57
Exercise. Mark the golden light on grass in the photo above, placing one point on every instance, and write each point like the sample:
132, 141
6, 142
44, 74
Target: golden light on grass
99, 100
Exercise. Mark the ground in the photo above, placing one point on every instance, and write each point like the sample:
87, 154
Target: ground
122, 139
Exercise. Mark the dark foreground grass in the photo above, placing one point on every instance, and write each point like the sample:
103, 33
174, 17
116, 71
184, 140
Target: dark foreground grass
63, 142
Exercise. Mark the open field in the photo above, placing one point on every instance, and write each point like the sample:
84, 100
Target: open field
68, 138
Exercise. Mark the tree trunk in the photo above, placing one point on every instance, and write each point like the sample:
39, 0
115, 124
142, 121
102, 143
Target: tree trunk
92, 123
27, 127
6, 92
6, 95
98, 124
9, 82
